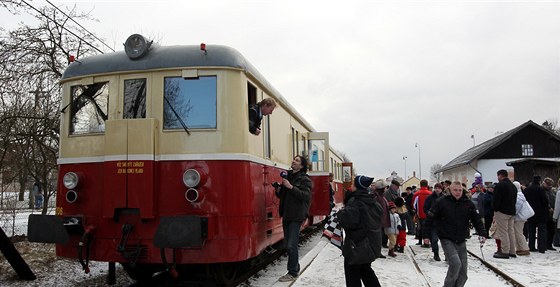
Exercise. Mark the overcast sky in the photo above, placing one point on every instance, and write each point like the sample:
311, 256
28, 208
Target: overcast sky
379, 76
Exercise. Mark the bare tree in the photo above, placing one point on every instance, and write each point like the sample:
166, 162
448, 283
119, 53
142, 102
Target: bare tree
435, 176
552, 125
32, 60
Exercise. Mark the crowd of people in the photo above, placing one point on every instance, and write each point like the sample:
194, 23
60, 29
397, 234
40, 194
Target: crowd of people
520, 218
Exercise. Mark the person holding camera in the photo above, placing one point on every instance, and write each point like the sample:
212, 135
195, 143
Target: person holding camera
295, 198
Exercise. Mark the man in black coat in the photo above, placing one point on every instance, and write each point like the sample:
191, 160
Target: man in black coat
536, 197
451, 215
505, 197
361, 219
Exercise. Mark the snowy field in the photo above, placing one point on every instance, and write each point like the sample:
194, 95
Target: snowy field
323, 267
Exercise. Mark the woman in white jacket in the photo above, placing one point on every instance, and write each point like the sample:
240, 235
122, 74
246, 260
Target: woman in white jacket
521, 216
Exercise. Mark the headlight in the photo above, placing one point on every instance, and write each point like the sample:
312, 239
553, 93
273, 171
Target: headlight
70, 180
191, 178
136, 46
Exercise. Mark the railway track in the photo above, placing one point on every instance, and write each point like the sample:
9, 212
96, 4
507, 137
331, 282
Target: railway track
478, 266
163, 278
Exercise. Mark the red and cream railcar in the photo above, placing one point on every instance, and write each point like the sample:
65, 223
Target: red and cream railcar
156, 159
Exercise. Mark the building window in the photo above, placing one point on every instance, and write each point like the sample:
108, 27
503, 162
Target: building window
526, 150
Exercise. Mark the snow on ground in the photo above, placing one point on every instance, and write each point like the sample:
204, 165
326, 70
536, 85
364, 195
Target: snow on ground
326, 270
325, 267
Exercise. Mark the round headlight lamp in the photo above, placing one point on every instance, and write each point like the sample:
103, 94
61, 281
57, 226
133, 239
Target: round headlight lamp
70, 180
136, 46
191, 178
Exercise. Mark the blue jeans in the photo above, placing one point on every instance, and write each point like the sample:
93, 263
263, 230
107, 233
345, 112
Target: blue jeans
456, 254
291, 241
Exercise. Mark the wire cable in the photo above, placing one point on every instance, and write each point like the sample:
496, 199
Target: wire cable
90, 33
86, 42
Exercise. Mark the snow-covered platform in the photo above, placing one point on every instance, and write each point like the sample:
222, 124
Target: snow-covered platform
322, 265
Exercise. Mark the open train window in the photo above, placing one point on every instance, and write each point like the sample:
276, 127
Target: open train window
88, 108
191, 101
134, 99
251, 94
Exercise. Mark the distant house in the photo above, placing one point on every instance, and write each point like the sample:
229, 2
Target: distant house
410, 182
529, 141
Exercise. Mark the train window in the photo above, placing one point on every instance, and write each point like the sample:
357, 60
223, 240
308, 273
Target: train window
191, 101
88, 108
134, 99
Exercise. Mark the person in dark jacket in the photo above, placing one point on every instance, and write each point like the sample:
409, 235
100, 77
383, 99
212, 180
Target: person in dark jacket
536, 197
437, 194
450, 215
361, 218
256, 113
487, 199
295, 199
379, 190
505, 197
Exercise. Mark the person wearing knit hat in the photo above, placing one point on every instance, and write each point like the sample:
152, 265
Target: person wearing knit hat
362, 181
360, 219
402, 211
393, 229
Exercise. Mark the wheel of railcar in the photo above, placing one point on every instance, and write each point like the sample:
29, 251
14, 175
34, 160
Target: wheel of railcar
140, 272
225, 274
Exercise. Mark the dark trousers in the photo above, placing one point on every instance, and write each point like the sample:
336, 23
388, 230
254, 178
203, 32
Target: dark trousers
419, 230
410, 223
550, 229
488, 222
356, 274
434, 241
541, 235
291, 241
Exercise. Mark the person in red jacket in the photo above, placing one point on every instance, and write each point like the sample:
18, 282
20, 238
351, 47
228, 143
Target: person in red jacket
418, 200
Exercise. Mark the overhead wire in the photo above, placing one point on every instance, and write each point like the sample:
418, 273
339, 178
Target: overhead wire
86, 42
90, 33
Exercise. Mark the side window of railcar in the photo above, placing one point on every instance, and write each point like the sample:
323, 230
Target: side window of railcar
191, 101
88, 108
134, 99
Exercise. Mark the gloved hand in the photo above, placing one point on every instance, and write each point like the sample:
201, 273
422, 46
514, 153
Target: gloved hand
481, 239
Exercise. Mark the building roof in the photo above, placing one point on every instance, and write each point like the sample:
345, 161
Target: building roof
480, 150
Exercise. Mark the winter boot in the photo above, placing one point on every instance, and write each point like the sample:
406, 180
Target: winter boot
392, 253
436, 257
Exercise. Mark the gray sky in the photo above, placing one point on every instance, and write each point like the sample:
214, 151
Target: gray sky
379, 76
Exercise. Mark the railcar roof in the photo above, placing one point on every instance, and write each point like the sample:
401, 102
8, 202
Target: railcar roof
180, 56
160, 57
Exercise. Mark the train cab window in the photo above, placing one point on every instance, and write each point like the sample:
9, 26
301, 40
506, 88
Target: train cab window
134, 99
88, 108
191, 101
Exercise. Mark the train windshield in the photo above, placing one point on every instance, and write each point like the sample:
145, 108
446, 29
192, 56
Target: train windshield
134, 99
192, 101
88, 108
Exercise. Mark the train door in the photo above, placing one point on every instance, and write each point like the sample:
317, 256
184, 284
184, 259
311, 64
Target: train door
130, 153
318, 147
